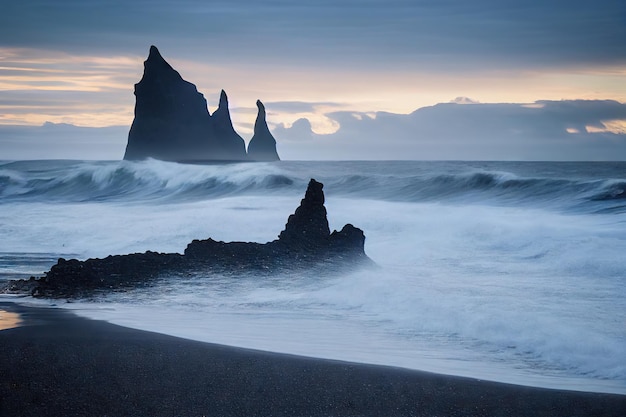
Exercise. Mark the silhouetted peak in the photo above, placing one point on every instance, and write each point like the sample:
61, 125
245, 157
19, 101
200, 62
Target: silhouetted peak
154, 53
223, 126
308, 225
156, 62
261, 108
155, 56
260, 118
262, 146
172, 121
223, 100
314, 193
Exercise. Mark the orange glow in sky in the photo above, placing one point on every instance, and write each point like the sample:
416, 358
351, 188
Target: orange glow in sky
39, 86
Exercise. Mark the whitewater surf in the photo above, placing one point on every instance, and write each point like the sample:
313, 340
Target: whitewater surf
506, 271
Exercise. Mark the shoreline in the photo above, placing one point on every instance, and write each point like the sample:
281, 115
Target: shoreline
58, 363
218, 330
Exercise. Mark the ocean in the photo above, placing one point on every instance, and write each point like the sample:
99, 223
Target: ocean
504, 271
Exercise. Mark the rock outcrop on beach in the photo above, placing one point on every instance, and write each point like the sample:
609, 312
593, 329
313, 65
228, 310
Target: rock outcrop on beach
262, 146
172, 121
305, 243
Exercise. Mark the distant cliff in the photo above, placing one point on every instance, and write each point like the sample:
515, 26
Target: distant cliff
172, 122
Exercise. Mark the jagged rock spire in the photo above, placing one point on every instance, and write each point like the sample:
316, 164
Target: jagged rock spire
262, 146
172, 121
223, 125
155, 57
308, 226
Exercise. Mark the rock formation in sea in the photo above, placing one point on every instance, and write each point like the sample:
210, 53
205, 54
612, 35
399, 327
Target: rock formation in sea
262, 146
229, 140
172, 121
305, 243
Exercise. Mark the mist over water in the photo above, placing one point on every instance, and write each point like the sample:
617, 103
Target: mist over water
505, 271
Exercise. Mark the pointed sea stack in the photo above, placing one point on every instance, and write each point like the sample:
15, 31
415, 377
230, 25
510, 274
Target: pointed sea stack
232, 143
172, 121
307, 232
308, 226
262, 146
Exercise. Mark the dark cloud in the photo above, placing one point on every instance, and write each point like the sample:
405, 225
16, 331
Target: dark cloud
375, 36
456, 35
478, 131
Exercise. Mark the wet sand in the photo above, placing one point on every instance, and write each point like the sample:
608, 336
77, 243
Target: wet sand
58, 364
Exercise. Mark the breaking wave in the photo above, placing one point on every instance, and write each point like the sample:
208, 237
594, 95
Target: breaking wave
114, 181
75, 181
501, 270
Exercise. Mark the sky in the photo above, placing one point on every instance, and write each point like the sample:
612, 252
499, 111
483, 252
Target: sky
341, 79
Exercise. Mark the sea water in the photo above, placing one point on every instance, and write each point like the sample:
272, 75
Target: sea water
507, 271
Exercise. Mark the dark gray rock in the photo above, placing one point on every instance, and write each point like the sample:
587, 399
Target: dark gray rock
305, 243
262, 146
230, 141
172, 121
308, 227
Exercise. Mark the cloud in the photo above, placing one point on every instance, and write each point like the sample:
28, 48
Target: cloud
464, 100
299, 131
301, 106
549, 130
450, 35
42, 85
545, 130
62, 141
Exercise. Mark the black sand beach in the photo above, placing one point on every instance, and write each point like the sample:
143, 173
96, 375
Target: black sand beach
59, 364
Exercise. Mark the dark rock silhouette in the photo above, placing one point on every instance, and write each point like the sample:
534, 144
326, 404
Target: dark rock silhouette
231, 142
172, 121
308, 226
262, 146
305, 243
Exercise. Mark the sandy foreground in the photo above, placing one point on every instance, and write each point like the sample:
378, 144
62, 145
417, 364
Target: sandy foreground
58, 364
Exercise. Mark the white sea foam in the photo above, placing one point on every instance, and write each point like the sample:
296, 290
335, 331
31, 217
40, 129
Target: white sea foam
524, 293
